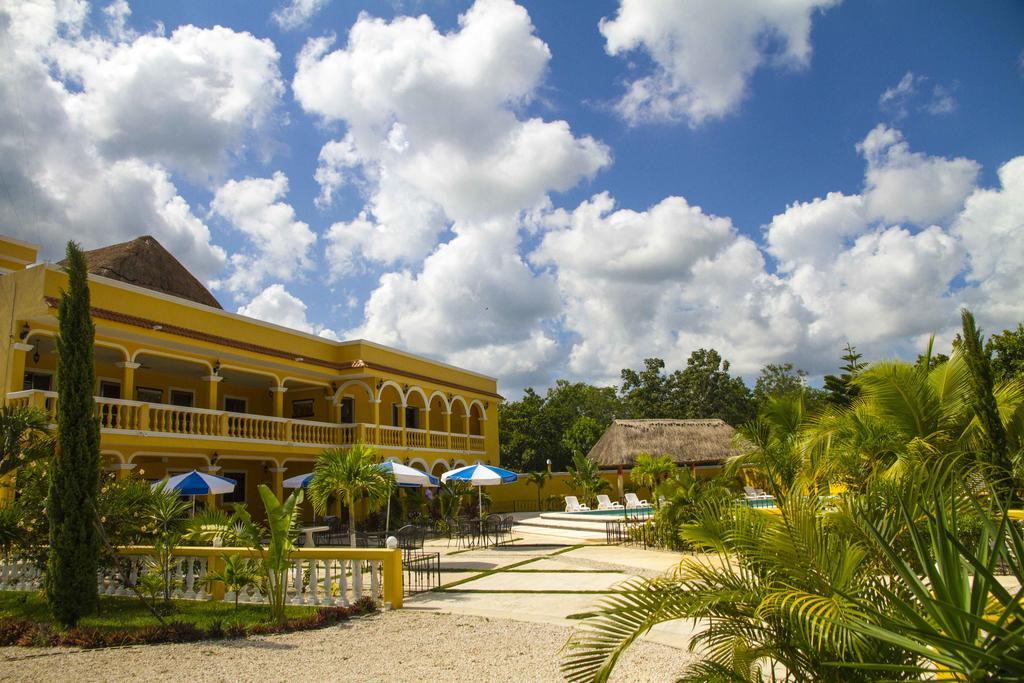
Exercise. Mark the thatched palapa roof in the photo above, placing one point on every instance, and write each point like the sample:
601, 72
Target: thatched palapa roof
688, 442
144, 262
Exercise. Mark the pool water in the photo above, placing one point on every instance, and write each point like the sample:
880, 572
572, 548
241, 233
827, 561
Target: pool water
637, 512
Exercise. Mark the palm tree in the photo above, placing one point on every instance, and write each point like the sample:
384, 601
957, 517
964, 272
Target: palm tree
352, 475
650, 470
585, 478
24, 437
538, 479
772, 443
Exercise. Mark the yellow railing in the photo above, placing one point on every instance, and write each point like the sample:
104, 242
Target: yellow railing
317, 575
160, 418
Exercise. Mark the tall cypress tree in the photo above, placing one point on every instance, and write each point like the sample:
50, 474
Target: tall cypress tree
74, 479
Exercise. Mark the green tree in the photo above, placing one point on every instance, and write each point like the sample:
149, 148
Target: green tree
236, 573
704, 389
1007, 353
352, 475
649, 471
647, 393
840, 390
582, 434
585, 479
994, 447
538, 479
782, 379
71, 506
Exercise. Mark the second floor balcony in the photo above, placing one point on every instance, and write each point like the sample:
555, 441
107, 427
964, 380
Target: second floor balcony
125, 417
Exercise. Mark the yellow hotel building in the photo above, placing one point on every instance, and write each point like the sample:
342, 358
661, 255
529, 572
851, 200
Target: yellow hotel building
182, 384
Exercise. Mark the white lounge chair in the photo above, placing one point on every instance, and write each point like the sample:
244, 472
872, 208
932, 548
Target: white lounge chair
633, 502
572, 504
605, 503
750, 493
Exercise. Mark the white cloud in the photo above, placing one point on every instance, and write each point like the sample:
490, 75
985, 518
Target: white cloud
705, 52
813, 233
913, 93
188, 100
414, 101
991, 227
281, 242
277, 305
474, 299
61, 179
297, 13
909, 186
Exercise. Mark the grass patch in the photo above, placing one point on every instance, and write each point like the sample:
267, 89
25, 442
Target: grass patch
121, 613
528, 592
565, 571
488, 572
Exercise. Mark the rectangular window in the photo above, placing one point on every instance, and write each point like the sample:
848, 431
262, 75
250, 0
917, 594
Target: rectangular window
109, 389
235, 405
412, 416
302, 408
182, 398
348, 410
238, 495
38, 381
394, 414
149, 395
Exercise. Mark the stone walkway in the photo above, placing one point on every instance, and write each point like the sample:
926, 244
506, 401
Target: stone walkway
541, 580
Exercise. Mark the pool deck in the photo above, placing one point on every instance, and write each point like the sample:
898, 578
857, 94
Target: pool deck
546, 580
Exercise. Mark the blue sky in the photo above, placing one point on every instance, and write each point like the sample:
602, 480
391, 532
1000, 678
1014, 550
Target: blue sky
541, 190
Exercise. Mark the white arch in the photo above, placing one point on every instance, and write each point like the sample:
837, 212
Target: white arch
465, 406
117, 454
317, 382
418, 390
460, 463
413, 461
262, 373
444, 400
393, 458
353, 382
187, 359
483, 411
391, 383
441, 461
98, 342
297, 459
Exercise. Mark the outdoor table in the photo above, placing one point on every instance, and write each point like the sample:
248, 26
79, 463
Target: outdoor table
310, 530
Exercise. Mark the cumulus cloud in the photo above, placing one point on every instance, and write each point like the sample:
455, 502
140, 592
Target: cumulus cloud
902, 185
280, 243
705, 52
277, 305
94, 125
297, 13
415, 100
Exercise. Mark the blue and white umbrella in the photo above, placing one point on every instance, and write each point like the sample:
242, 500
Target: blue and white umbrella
480, 475
196, 484
299, 481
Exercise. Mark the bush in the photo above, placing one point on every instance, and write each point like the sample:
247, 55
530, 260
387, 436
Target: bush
28, 633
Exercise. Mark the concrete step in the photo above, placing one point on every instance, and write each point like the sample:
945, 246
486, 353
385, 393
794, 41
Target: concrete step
555, 532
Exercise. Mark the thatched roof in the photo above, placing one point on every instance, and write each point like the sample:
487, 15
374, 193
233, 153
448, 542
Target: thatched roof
145, 263
688, 442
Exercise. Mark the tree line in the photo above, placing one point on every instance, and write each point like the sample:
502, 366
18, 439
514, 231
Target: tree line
571, 416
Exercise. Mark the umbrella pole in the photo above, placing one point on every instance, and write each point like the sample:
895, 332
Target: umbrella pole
480, 507
387, 517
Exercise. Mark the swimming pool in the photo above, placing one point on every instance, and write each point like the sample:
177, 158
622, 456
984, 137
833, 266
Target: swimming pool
632, 512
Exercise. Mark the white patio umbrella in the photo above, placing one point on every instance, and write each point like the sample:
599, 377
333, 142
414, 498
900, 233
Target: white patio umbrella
196, 483
480, 475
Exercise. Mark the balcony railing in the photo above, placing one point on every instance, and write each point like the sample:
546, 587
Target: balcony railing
119, 415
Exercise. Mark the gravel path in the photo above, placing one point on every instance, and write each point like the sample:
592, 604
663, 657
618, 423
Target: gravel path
403, 645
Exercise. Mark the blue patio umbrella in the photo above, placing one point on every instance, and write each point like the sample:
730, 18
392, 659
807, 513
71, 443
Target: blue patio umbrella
196, 484
480, 475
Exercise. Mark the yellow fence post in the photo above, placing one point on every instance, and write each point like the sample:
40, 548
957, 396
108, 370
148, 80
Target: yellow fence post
393, 588
216, 564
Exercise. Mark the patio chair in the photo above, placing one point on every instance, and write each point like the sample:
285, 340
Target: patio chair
633, 502
605, 503
572, 504
750, 493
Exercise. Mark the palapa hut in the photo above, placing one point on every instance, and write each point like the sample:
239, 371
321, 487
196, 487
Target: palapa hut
693, 443
144, 262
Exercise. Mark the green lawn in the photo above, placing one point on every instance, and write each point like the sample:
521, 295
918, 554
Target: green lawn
129, 613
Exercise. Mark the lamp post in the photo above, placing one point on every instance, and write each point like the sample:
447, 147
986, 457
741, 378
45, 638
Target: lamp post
549, 465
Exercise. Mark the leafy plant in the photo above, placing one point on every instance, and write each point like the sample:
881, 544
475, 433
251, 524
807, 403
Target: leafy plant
538, 479
236, 573
352, 475
649, 471
24, 437
166, 517
585, 479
